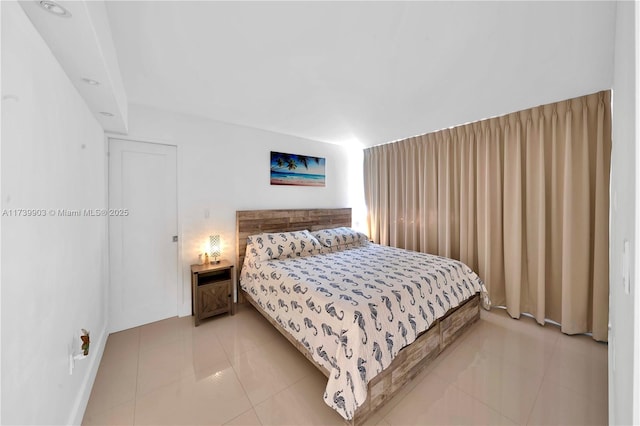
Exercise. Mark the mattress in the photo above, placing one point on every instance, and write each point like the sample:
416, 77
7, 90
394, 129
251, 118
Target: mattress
355, 306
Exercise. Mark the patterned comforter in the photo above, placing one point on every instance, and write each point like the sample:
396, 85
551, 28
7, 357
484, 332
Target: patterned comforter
353, 308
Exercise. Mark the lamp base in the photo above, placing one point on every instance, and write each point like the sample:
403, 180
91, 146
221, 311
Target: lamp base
214, 262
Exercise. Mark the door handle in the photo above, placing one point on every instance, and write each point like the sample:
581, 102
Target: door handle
175, 238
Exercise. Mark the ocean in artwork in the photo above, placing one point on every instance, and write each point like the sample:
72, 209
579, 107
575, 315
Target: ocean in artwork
297, 170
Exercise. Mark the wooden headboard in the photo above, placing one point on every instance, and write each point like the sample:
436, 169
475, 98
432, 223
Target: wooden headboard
250, 222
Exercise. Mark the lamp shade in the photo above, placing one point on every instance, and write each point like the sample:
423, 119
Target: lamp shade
214, 246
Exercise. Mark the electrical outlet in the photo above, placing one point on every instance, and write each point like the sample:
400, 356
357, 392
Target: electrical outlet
75, 351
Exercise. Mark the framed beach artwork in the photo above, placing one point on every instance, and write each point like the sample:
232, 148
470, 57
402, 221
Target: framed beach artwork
297, 170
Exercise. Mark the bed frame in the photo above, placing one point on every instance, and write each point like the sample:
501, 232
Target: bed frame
411, 360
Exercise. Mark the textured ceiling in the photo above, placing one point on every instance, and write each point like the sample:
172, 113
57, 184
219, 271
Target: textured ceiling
360, 72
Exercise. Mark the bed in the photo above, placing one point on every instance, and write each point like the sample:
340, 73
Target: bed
369, 317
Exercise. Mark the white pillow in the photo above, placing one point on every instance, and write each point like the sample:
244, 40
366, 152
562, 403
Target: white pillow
282, 244
335, 237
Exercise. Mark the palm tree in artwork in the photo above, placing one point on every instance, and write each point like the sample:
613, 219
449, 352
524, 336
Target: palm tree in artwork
291, 164
289, 161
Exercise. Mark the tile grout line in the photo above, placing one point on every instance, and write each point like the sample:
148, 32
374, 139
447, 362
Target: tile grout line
244, 390
242, 414
544, 376
453, 383
578, 392
500, 359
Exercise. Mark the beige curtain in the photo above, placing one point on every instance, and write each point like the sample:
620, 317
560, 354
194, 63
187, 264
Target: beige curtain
523, 199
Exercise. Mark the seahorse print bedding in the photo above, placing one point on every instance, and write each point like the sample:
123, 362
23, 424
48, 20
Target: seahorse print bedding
354, 307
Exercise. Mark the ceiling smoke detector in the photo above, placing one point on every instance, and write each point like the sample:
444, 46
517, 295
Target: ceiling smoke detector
54, 8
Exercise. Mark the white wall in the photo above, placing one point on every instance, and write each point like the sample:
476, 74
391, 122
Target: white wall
223, 168
623, 220
0, 228
53, 268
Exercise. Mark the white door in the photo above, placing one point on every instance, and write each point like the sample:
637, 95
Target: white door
142, 226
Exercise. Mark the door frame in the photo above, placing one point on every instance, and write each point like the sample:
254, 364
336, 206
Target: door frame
181, 297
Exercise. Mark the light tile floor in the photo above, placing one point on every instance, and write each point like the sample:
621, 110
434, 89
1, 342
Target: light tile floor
238, 370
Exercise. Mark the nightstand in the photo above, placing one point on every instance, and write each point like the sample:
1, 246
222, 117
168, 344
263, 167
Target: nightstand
212, 289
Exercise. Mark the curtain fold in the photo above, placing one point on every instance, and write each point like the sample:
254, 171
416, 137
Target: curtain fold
523, 199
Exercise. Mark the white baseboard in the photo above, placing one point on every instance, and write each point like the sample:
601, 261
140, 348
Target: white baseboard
97, 349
